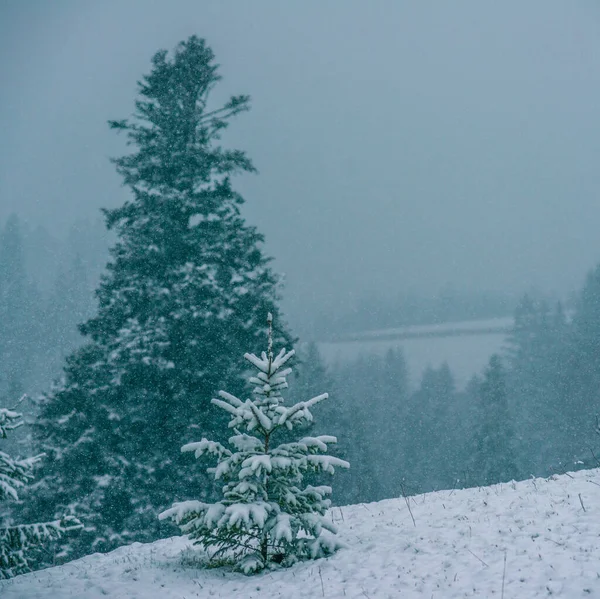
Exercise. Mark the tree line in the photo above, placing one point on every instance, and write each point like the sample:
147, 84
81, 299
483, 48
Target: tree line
532, 412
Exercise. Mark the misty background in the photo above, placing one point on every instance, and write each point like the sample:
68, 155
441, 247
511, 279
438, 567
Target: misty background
403, 148
427, 185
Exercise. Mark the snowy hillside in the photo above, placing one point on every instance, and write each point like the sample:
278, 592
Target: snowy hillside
538, 538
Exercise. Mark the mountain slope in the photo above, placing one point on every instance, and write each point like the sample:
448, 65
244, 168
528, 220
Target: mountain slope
548, 529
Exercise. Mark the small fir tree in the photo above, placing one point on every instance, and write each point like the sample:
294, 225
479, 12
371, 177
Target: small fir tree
16, 540
266, 515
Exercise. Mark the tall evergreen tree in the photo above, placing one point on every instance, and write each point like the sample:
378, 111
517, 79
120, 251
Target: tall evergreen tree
187, 284
494, 459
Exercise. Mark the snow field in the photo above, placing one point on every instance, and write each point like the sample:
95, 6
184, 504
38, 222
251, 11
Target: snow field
547, 529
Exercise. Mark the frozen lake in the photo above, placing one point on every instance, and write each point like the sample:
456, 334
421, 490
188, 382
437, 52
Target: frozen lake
465, 346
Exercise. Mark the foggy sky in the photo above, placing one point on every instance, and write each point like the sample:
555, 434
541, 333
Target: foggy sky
400, 145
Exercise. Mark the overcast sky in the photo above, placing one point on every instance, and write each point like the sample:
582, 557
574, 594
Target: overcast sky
400, 145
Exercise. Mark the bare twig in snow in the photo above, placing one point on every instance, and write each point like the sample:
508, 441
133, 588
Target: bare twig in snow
555, 542
322, 586
503, 575
581, 501
406, 499
486, 565
564, 472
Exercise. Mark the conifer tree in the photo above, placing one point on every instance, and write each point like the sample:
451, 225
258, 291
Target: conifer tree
16, 540
433, 448
372, 410
537, 357
494, 459
581, 403
311, 375
266, 513
391, 408
521, 339
187, 282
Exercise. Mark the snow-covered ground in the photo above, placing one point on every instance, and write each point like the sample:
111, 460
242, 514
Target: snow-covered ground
537, 538
465, 346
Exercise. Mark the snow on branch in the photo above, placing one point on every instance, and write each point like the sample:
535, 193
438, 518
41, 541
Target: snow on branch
15, 473
15, 540
301, 409
264, 515
205, 446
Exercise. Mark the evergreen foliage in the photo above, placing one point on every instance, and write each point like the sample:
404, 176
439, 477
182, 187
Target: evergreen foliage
537, 357
266, 513
494, 458
582, 385
17, 540
372, 413
435, 454
187, 282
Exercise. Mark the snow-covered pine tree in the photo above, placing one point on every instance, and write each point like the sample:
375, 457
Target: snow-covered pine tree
266, 514
16, 540
188, 281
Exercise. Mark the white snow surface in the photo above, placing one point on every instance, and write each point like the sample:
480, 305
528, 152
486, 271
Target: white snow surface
547, 530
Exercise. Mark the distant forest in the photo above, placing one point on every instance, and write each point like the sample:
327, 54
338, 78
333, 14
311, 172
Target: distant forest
540, 399
47, 288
